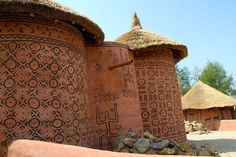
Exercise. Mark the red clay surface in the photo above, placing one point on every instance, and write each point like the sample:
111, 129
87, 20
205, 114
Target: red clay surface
27, 148
227, 125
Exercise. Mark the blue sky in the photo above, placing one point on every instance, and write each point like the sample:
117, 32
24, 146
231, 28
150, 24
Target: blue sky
207, 27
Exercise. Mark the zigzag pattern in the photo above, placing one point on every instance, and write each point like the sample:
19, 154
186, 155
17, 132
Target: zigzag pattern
153, 63
106, 97
15, 37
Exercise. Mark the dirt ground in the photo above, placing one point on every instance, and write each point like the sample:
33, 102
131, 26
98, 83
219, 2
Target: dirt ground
224, 141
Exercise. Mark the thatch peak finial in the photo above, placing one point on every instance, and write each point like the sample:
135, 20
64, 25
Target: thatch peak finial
136, 23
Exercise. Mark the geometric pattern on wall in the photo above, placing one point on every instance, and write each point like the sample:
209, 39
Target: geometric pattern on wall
159, 95
113, 94
43, 83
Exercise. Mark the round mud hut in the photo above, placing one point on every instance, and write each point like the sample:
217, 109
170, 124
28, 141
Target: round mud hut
208, 106
113, 94
159, 95
43, 83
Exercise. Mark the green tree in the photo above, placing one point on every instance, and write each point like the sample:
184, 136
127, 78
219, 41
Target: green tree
195, 75
184, 79
215, 76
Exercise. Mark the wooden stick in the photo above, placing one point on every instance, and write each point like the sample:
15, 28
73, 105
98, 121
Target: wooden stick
120, 65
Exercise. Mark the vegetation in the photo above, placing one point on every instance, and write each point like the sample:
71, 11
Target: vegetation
213, 74
184, 79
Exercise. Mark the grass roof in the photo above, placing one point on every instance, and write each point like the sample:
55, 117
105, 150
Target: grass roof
138, 39
51, 9
202, 96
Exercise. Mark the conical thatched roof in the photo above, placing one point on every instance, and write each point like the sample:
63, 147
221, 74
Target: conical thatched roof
51, 9
202, 96
139, 39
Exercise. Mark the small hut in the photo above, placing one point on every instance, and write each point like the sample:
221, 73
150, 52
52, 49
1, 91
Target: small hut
155, 57
207, 105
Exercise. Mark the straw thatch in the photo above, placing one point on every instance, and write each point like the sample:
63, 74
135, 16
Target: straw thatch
138, 39
50, 9
136, 22
202, 96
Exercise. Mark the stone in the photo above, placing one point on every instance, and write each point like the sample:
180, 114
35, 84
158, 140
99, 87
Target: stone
133, 150
142, 145
205, 131
188, 128
151, 151
160, 145
156, 140
185, 147
191, 153
125, 149
132, 135
129, 141
198, 127
195, 128
119, 147
203, 153
179, 152
195, 133
119, 139
149, 136
167, 151
173, 144
211, 149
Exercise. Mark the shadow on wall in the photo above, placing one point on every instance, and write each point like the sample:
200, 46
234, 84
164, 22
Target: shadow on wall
223, 145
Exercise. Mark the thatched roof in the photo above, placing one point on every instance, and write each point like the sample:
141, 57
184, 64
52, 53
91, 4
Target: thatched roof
138, 39
202, 96
51, 9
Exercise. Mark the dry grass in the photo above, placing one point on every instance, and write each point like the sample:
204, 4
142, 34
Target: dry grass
54, 10
202, 96
139, 39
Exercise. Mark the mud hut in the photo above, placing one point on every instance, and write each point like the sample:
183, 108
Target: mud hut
113, 94
43, 73
155, 57
60, 82
207, 105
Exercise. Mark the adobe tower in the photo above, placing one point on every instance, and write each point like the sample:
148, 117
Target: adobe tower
159, 95
43, 83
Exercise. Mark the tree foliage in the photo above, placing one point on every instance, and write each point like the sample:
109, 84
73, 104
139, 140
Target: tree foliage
214, 75
184, 79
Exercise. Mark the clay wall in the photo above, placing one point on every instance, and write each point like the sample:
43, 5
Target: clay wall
26, 148
114, 103
43, 83
227, 125
159, 94
210, 118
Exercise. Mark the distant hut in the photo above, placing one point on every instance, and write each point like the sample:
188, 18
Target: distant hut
160, 102
207, 105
